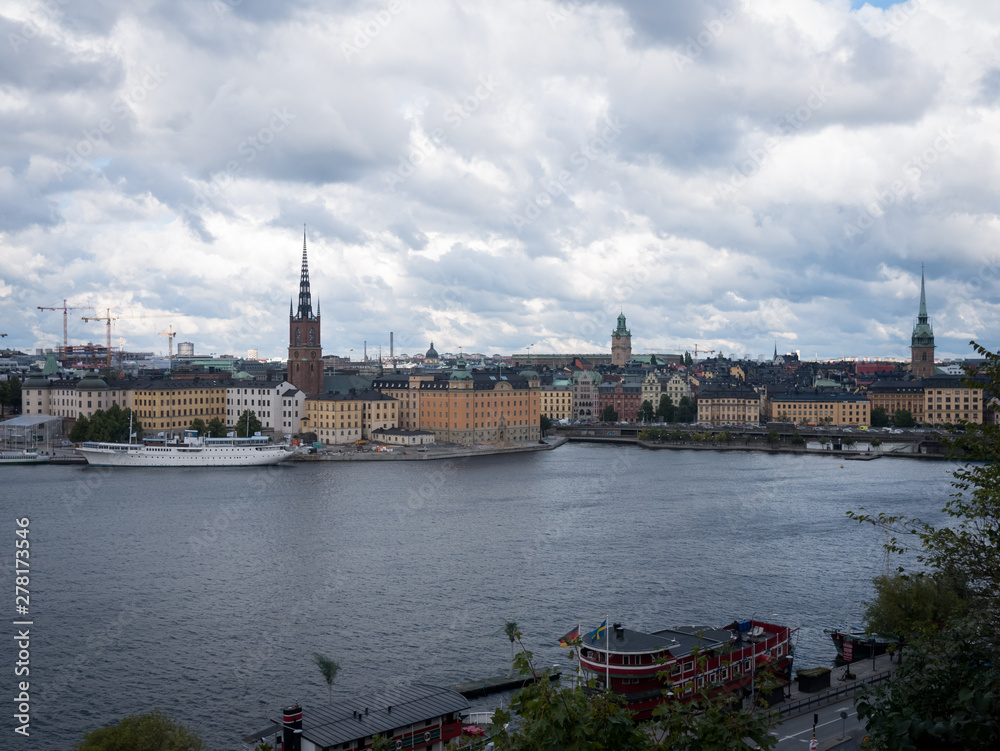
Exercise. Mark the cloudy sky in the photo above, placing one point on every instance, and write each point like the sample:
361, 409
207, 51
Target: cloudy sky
502, 175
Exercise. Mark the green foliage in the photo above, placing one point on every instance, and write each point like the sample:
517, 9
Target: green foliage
81, 426
646, 411
688, 359
111, 426
328, 668
798, 440
511, 631
154, 731
545, 423
564, 718
248, 424
199, 425
608, 414
665, 409
903, 418
10, 395
380, 743
880, 418
773, 438
945, 696
875, 442
686, 410
578, 719
845, 441
216, 428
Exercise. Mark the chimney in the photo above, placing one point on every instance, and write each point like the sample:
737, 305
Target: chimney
619, 631
291, 728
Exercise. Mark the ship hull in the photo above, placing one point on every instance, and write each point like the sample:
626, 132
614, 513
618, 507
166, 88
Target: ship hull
109, 455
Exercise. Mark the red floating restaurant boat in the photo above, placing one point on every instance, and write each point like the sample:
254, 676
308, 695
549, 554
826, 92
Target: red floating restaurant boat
694, 657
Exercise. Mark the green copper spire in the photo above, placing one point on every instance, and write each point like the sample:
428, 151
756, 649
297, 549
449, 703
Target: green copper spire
621, 330
923, 334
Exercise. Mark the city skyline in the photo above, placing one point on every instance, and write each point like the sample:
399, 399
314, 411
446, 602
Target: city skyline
731, 175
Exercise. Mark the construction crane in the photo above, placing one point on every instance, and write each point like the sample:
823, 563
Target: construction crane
169, 333
65, 309
708, 351
108, 318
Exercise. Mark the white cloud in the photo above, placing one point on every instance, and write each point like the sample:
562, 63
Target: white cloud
461, 181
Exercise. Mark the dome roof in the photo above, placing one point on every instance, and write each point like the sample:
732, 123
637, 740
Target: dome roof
530, 374
431, 353
35, 382
91, 383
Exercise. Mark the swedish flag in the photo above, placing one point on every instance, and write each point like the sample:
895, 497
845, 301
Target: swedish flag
598, 632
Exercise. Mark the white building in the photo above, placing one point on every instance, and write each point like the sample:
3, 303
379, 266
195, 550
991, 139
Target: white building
278, 406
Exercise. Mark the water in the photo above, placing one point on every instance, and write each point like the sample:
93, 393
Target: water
204, 593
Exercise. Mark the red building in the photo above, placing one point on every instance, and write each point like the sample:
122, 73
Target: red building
305, 352
625, 398
693, 659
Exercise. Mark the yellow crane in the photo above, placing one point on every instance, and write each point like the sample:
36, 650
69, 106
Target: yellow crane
169, 333
108, 318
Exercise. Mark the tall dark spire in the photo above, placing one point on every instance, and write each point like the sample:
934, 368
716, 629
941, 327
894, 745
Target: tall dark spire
923, 333
922, 315
305, 312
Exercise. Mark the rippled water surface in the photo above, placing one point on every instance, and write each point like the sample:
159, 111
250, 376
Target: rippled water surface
205, 592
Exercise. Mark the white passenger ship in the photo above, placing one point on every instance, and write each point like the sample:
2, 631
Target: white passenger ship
193, 451
25, 456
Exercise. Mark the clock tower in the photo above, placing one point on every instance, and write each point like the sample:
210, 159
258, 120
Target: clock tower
621, 343
305, 353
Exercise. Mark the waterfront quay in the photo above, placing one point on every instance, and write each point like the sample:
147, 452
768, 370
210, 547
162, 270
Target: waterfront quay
842, 443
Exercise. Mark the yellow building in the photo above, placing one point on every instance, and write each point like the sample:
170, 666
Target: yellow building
733, 405
557, 401
820, 409
164, 405
406, 391
893, 396
948, 400
347, 418
476, 408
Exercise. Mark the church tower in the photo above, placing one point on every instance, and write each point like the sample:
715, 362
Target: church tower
305, 353
621, 343
922, 341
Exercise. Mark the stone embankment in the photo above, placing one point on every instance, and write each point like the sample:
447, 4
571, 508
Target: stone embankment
428, 452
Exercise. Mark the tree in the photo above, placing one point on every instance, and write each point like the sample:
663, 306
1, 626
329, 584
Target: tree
773, 439
10, 395
687, 410
248, 424
511, 631
946, 696
903, 419
109, 426
880, 418
875, 442
81, 427
545, 423
329, 669
798, 440
581, 719
646, 411
847, 442
608, 414
687, 359
154, 731
199, 425
216, 428
665, 409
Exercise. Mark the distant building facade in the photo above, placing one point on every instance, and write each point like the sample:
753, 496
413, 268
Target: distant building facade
843, 409
733, 405
948, 399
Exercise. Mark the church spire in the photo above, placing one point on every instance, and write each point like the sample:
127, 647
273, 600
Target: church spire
305, 297
922, 315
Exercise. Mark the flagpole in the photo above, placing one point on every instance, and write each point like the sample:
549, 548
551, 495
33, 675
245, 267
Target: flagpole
607, 656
